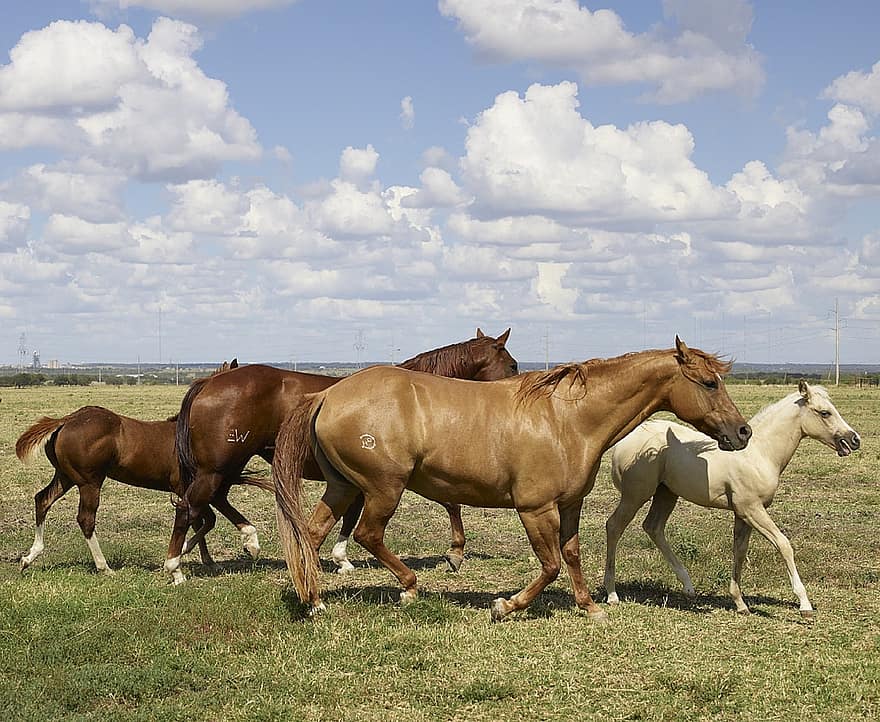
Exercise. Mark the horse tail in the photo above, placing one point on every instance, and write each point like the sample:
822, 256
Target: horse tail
291, 451
36, 436
251, 478
183, 436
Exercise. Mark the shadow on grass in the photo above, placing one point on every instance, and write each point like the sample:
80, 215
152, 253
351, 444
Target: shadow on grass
653, 594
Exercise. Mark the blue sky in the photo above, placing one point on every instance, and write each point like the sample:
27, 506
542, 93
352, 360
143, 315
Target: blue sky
274, 178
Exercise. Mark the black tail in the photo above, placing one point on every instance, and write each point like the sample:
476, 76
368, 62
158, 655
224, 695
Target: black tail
182, 435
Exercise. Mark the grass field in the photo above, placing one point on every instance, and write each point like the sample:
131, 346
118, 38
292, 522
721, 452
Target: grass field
230, 646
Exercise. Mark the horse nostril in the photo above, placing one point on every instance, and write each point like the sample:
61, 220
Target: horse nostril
745, 432
856, 441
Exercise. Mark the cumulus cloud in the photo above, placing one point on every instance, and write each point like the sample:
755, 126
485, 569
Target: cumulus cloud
709, 51
858, 89
14, 221
438, 190
144, 108
537, 154
357, 165
92, 193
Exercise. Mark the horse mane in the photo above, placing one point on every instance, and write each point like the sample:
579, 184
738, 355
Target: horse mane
536, 384
451, 360
794, 396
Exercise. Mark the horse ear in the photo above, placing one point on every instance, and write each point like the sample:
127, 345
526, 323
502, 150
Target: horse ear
682, 351
480, 333
233, 364
502, 339
804, 388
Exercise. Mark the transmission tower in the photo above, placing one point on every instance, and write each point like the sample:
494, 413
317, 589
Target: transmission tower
359, 346
22, 351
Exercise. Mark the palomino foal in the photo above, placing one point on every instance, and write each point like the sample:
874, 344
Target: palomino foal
664, 460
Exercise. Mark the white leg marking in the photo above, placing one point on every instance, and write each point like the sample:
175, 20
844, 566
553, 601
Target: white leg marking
340, 556
98, 555
35, 550
172, 566
250, 541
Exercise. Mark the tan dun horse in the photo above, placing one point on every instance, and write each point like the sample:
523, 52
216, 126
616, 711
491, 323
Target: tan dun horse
531, 443
93, 443
665, 460
227, 419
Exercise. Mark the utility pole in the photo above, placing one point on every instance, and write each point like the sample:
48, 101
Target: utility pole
546, 348
359, 346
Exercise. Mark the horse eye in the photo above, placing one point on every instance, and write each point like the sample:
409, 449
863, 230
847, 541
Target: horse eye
711, 384
824, 414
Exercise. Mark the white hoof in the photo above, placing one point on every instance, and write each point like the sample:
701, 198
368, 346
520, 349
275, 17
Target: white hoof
343, 566
408, 596
317, 610
498, 610
613, 598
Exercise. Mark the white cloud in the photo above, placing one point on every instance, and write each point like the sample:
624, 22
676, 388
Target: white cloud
73, 235
858, 89
348, 212
14, 222
407, 113
357, 165
142, 107
701, 57
438, 190
91, 193
537, 154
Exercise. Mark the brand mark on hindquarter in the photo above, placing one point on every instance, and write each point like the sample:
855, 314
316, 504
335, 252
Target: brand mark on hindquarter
368, 441
237, 437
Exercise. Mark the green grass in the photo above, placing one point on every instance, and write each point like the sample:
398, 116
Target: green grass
232, 646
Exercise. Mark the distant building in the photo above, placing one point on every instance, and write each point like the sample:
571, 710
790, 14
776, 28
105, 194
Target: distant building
53, 364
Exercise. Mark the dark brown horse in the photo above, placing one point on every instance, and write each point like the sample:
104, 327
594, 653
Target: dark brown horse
227, 419
531, 443
93, 443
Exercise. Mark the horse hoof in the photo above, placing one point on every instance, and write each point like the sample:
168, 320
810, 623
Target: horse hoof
253, 551
599, 616
497, 611
808, 613
744, 612
23, 564
453, 562
106, 571
613, 599
317, 610
408, 596
344, 567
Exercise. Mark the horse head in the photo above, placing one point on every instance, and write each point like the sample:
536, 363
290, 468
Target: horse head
698, 396
821, 421
490, 357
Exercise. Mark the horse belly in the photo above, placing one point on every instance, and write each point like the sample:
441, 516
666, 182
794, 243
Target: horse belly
461, 488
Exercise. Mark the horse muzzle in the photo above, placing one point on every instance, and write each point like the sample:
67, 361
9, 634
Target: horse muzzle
847, 444
737, 441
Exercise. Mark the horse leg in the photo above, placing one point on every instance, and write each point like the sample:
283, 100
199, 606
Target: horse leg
207, 520
655, 527
43, 501
614, 527
570, 546
190, 506
249, 540
455, 556
338, 497
339, 555
742, 532
370, 534
542, 528
756, 516
89, 498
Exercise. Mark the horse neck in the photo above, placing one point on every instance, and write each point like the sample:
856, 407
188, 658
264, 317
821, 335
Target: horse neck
777, 432
452, 361
623, 392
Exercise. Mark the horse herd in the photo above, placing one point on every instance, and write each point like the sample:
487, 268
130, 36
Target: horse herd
530, 441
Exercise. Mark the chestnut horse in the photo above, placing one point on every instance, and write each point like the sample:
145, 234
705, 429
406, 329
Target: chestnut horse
227, 419
94, 443
531, 443
664, 461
